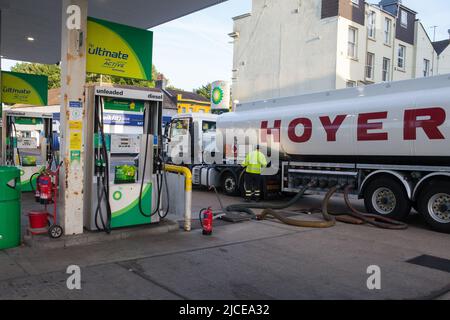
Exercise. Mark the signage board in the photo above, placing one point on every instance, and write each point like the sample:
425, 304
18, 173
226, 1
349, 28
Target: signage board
23, 88
119, 50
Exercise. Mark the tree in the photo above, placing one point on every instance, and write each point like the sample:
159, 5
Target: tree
204, 91
53, 72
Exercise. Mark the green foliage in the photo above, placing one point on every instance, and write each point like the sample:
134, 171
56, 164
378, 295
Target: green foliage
204, 91
53, 72
173, 88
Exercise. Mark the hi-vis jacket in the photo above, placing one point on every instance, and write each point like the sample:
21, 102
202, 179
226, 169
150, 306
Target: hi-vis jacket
254, 161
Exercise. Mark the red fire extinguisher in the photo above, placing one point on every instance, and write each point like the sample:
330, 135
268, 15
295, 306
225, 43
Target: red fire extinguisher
207, 221
44, 185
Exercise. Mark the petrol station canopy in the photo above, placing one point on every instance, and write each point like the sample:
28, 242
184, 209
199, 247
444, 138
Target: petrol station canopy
31, 29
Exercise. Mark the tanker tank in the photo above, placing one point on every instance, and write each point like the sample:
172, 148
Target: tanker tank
404, 122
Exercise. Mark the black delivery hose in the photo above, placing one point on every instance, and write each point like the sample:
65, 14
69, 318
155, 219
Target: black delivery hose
161, 177
341, 217
102, 176
295, 222
373, 219
353, 217
269, 210
166, 212
246, 207
357, 217
158, 186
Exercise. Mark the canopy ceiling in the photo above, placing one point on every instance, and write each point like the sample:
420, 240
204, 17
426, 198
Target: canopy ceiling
41, 20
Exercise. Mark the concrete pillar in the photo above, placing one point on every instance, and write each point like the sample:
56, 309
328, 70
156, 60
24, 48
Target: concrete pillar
73, 78
2, 148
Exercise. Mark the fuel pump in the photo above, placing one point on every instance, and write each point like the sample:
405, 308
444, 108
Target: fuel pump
28, 144
123, 178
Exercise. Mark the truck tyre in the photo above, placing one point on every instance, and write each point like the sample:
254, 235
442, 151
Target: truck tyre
434, 205
387, 197
230, 185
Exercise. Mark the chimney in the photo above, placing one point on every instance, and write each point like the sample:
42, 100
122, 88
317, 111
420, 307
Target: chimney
161, 82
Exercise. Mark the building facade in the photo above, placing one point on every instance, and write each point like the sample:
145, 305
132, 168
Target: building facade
290, 47
443, 55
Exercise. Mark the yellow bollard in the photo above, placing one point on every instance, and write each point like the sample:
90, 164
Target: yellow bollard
188, 190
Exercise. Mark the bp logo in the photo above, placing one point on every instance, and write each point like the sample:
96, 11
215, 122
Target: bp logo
117, 195
217, 95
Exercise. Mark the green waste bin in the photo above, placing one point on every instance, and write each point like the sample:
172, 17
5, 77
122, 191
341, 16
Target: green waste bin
10, 210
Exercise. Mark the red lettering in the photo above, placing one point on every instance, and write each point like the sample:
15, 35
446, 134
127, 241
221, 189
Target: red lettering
430, 126
307, 132
265, 131
364, 126
331, 128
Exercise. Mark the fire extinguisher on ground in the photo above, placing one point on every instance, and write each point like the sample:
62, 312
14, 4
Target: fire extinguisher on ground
206, 220
44, 189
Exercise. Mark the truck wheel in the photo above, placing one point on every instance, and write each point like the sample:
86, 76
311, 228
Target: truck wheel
388, 198
434, 205
230, 186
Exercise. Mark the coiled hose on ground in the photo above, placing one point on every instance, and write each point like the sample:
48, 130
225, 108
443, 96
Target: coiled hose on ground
352, 217
269, 210
247, 207
373, 219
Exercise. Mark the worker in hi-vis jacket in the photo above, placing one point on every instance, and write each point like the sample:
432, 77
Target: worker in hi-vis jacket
254, 162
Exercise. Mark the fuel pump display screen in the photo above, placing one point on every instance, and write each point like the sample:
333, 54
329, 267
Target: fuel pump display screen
125, 174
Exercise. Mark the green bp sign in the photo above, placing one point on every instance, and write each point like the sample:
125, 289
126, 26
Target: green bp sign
220, 95
119, 50
24, 88
217, 95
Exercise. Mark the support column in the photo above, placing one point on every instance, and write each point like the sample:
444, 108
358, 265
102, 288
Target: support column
73, 104
2, 147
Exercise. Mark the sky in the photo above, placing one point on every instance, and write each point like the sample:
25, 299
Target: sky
194, 50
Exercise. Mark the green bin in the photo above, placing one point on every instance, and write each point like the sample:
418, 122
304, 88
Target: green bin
10, 210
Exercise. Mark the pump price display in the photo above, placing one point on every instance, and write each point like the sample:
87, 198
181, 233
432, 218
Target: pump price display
228, 310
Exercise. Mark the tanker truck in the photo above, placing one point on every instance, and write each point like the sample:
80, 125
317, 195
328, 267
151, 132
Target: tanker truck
390, 141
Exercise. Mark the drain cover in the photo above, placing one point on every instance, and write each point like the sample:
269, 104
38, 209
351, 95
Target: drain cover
431, 262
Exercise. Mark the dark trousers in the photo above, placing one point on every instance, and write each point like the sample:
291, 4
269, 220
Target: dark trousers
252, 185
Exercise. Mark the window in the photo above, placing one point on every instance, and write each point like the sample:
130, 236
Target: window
352, 42
404, 18
208, 126
179, 127
426, 67
371, 27
386, 69
387, 30
351, 84
370, 65
401, 57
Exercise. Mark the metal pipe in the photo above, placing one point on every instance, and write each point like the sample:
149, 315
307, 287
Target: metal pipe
188, 192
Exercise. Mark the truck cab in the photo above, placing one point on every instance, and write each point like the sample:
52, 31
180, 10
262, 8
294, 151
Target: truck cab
188, 136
